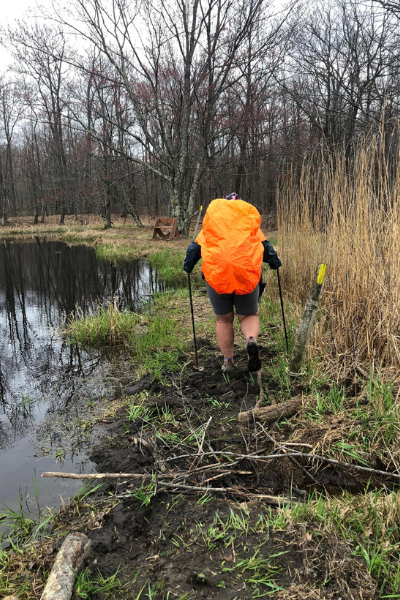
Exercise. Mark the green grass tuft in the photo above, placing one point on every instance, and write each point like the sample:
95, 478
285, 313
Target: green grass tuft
89, 585
169, 265
108, 325
116, 253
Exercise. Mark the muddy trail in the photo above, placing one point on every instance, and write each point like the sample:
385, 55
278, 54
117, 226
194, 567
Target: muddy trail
202, 520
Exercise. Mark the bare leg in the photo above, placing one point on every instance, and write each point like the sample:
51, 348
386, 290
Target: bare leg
250, 325
225, 336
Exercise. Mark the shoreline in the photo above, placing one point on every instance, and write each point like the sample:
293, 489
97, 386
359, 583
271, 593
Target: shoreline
153, 540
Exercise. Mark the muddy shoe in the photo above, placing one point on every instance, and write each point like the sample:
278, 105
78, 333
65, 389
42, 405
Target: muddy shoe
228, 367
254, 363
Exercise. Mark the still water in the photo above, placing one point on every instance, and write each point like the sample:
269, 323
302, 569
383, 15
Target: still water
46, 384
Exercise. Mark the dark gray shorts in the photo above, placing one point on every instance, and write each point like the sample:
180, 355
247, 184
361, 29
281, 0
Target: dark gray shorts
222, 304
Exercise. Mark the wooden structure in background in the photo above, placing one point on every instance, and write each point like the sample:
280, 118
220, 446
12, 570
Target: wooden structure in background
165, 224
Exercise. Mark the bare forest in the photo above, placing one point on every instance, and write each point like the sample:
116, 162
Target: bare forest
156, 107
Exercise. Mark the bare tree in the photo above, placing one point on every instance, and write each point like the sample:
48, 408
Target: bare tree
174, 62
40, 52
11, 111
340, 62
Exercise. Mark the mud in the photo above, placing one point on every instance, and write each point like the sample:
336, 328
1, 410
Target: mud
169, 542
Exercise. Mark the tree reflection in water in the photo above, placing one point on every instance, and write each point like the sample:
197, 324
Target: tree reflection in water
40, 284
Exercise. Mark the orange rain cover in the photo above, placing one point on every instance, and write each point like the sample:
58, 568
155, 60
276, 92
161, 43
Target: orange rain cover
231, 246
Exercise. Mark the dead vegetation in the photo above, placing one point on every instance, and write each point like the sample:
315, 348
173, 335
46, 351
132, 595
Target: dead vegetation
235, 506
298, 526
347, 214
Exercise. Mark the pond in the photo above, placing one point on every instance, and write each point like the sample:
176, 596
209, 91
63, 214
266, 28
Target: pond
46, 383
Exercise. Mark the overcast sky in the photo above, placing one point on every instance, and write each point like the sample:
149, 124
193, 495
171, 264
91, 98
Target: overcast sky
11, 11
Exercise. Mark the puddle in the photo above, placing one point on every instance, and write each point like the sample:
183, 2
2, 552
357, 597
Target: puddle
42, 376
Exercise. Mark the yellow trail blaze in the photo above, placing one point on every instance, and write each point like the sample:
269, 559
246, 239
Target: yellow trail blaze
321, 273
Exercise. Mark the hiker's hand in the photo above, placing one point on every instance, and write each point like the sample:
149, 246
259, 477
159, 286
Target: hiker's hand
193, 255
275, 262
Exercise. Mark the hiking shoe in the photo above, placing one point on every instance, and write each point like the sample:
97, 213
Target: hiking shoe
254, 363
228, 367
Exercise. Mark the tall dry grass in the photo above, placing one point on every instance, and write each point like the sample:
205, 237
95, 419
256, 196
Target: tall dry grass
347, 214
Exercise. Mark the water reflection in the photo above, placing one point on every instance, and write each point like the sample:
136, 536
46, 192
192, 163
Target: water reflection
40, 284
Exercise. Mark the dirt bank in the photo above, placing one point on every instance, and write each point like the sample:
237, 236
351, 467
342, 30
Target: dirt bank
167, 540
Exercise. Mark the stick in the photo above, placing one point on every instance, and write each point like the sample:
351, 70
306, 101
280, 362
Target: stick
97, 475
193, 326
130, 475
273, 500
250, 457
261, 392
332, 461
269, 457
190, 294
225, 473
297, 444
70, 560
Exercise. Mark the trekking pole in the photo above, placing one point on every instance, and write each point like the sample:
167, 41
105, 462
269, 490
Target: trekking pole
283, 312
194, 331
190, 295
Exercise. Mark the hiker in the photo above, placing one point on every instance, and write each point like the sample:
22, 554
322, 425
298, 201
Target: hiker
233, 248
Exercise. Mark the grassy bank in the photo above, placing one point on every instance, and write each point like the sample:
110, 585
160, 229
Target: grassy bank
124, 241
155, 340
339, 533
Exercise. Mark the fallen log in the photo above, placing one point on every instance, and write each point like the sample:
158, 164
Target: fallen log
270, 414
69, 561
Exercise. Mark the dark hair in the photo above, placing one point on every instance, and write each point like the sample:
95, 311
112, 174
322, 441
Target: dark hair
233, 196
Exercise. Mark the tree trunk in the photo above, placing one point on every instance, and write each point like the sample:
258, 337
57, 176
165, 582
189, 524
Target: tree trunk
128, 206
107, 208
182, 205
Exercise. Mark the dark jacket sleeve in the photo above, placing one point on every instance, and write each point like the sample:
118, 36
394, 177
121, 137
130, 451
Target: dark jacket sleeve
270, 256
193, 255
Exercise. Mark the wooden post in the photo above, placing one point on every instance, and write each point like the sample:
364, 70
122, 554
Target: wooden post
69, 561
303, 333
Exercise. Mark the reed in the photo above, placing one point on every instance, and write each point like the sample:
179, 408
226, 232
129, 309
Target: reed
347, 214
